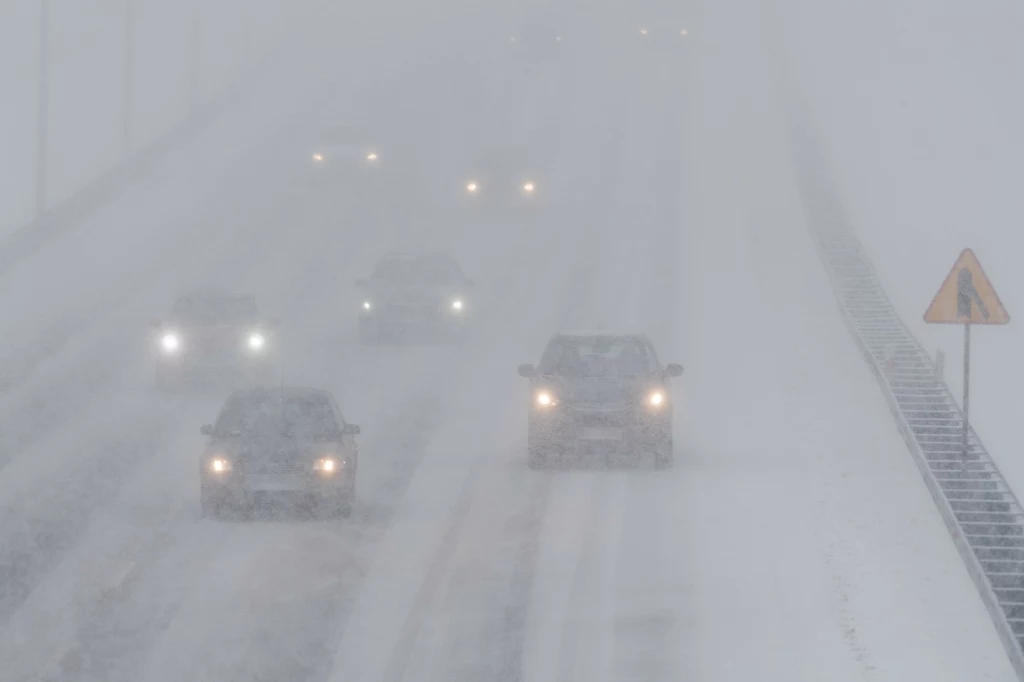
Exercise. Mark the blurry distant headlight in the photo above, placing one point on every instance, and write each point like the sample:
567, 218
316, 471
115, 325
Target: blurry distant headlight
220, 465
656, 399
511, 39
318, 157
558, 39
367, 305
256, 341
457, 304
528, 187
684, 32
643, 31
371, 156
472, 187
170, 343
545, 399
327, 465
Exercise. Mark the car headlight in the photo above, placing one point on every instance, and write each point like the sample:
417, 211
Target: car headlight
170, 343
472, 187
371, 156
643, 31
367, 305
457, 305
318, 157
220, 465
528, 187
656, 399
326, 465
256, 341
546, 399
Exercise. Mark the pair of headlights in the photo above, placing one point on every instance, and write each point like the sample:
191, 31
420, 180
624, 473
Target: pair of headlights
545, 399
324, 465
319, 157
170, 342
683, 32
456, 305
528, 187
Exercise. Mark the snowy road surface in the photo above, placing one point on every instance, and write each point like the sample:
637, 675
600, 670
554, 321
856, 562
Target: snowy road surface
792, 541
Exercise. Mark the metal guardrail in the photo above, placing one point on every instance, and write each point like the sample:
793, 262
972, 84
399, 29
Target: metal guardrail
980, 510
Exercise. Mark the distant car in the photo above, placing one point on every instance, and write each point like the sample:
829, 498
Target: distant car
507, 180
662, 32
540, 35
599, 396
414, 296
289, 445
214, 336
345, 151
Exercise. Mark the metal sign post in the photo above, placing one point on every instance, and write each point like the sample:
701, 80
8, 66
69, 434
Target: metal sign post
966, 297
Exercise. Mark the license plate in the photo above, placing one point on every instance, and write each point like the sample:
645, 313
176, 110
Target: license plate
600, 433
273, 483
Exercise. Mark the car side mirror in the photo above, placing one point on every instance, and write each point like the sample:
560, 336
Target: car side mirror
673, 370
351, 430
206, 429
527, 371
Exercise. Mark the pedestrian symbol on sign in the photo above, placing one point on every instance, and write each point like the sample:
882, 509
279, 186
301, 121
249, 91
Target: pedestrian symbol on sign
966, 295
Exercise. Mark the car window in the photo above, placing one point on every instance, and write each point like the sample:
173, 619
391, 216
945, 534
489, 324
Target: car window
209, 310
273, 415
599, 356
425, 270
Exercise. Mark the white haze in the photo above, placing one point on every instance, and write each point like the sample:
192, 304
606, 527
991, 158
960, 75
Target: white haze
792, 541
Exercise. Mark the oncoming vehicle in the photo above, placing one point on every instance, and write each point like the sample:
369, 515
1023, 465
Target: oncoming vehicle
540, 35
414, 295
504, 180
661, 30
279, 444
345, 151
213, 336
599, 395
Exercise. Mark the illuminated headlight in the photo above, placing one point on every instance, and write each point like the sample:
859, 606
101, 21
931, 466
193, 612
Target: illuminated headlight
546, 399
528, 187
220, 465
684, 32
656, 399
472, 187
318, 157
327, 465
371, 157
457, 305
367, 305
170, 343
256, 341
643, 31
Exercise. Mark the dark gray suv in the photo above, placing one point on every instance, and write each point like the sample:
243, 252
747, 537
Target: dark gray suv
599, 396
279, 444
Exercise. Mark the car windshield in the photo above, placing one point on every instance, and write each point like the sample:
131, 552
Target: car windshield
201, 310
419, 271
598, 356
273, 416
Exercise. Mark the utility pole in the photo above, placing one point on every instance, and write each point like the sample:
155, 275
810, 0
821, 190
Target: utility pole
194, 49
127, 112
43, 107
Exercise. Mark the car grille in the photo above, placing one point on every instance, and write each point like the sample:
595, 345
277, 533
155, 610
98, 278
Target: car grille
262, 467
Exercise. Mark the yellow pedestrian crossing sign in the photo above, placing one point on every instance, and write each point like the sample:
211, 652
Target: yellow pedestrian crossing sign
967, 296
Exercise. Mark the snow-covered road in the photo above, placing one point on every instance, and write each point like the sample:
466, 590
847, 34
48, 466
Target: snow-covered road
793, 540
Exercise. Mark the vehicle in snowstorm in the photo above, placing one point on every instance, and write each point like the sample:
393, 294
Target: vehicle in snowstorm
344, 151
414, 296
213, 336
599, 397
540, 34
289, 446
506, 180
660, 29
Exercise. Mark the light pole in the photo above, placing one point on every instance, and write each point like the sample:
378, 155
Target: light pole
42, 107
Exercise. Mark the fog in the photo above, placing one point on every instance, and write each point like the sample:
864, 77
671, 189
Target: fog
278, 188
